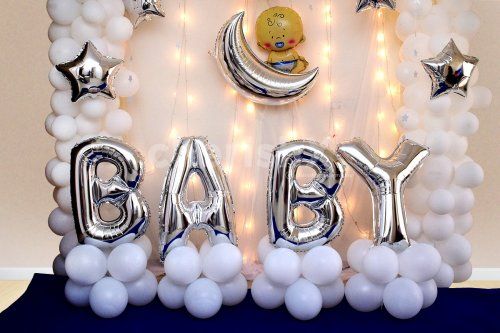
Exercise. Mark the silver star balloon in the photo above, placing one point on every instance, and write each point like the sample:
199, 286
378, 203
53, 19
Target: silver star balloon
367, 4
91, 74
450, 71
143, 10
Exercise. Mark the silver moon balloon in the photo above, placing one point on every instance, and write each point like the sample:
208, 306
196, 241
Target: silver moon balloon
386, 178
178, 217
252, 77
89, 192
285, 194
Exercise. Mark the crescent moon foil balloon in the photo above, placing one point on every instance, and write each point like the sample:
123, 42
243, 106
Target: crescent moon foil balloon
252, 77
285, 194
178, 217
89, 192
386, 178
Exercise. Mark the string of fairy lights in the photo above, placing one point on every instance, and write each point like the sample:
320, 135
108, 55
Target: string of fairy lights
244, 112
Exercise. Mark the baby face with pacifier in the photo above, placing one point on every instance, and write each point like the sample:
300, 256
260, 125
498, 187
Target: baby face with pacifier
279, 30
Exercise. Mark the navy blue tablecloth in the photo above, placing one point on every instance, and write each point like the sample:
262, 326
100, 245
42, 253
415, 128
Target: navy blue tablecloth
43, 308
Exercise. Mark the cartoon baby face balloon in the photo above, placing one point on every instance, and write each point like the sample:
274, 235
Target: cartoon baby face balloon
279, 31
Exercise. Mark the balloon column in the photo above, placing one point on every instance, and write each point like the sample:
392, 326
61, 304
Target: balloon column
440, 199
219, 259
305, 283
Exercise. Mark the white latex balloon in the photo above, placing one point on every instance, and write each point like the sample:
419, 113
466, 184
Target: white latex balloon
119, 29
455, 251
58, 266
93, 12
85, 264
68, 243
93, 107
57, 31
362, 294
118, 122
63, 152
60, 222
203, 298
58, 81
403, 298
113, 7
127, 262
357, 252
145, 243
126, 83
143, 290
406, 25
466, 23
469, 174
332, 294
417, 135
441, 202
462, 272
463, 223
170, 294
416, 96
108, 298
409, 72
482, 97
380, 265
48, 122
264, 248
63, 50
407, 118
87, 126
64, 128
457, 6
116, 51
77, 294
63, 198
435, 123
419, 262
465, 123
464, 200
63, 11
413, 225
222, 262
439, 106
303, 300
266, 294
60, 174
48, 169
418, 8
438, 227
321, 265
82, 31
204, 248
234, 291
458, 147
429, 292
282, 266
445, 275
435, 23
438, 141
61, 104
436, 172
416, 47
416, 199
183, 265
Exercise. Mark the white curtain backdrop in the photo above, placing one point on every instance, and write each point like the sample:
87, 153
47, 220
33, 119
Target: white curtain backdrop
182, 93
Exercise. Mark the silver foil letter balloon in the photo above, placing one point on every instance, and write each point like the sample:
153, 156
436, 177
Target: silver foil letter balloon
178, 216
386, 178
285, 194
89, 192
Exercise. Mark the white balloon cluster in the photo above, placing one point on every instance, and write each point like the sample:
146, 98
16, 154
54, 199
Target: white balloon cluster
305, 283
403, 282
203, 280
439, 198
109, 278
75, 22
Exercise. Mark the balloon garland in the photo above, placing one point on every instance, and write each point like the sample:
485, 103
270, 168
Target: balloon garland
107, 277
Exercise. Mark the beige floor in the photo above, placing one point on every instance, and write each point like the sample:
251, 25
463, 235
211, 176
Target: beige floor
10, 291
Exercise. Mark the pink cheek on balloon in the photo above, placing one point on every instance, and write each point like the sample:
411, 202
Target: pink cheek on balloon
267, 45
291, 42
